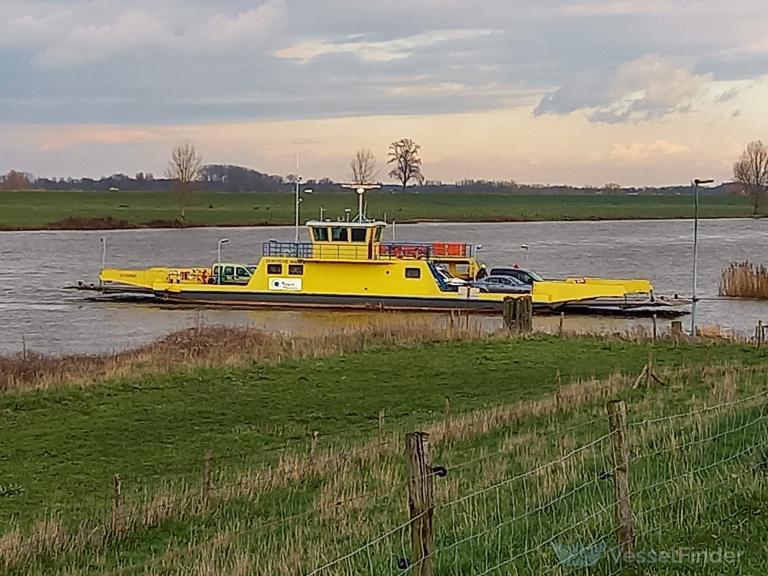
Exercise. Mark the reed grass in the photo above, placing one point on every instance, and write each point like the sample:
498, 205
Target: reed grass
745, 280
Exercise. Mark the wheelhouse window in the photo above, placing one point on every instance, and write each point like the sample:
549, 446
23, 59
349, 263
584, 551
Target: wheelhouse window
274, 268
413, 273
358, 234
296, 269
320, 234
340, 234
377, 238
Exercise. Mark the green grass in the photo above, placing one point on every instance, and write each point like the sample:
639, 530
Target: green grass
59, 449
40, 209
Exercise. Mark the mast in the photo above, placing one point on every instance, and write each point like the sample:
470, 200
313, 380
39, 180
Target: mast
361, 190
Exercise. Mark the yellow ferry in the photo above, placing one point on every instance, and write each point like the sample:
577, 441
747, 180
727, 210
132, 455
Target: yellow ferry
347, 265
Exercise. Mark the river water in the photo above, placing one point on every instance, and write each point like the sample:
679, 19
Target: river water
36, 312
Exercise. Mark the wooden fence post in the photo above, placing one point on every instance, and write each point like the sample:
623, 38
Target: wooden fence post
421, 506
617, 420
649, 370
447, 409
677, 329
118, 519
760, 333
381, 426
313, 446
655, 328
518, 314
207, 477
561, 328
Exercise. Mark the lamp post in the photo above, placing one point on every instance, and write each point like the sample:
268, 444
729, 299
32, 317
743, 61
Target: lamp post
218, 249
696, 183
103, 241
298, 200
298, 203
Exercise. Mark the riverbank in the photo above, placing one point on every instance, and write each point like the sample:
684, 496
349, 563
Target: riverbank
305, 456
49, 210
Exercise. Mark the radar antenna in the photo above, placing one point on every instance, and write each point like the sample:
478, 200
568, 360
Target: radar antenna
361, 189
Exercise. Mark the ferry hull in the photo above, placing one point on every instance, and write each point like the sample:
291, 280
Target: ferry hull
409, 303
334, 301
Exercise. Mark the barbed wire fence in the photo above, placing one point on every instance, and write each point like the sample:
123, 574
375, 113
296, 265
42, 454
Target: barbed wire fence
605, 504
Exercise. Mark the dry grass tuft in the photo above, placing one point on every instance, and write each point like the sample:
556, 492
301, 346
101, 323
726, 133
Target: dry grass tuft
218, 346
745, 280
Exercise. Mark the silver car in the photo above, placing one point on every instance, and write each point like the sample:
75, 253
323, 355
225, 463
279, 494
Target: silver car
502, 284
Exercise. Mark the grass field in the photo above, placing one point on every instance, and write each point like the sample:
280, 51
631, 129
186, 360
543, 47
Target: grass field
273, 509
39, 209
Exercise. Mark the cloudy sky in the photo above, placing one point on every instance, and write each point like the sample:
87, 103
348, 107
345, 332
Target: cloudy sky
549, 91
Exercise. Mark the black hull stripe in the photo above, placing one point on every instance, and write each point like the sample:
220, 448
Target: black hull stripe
332, 301
339, 302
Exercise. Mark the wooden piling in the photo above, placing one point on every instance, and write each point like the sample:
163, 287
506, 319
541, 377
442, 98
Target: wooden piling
518, 314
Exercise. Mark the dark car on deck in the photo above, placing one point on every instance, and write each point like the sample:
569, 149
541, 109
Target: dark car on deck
502, 284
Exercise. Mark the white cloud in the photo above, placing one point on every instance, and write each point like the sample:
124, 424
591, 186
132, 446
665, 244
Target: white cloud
615, 7
132, 30
381, 51
246, 29
641, 153
427, 89
647, 88
76, 37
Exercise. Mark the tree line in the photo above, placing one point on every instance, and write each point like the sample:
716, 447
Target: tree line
186, 172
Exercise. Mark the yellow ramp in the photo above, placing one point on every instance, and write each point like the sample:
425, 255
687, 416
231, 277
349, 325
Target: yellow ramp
137, 278
559, 292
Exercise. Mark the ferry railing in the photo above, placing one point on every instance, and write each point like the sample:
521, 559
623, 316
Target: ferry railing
385, 251
426, 249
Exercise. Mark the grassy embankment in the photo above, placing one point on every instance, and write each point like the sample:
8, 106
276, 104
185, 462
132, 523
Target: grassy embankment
273, 509
73, 210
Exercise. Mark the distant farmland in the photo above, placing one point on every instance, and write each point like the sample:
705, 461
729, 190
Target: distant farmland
84, 210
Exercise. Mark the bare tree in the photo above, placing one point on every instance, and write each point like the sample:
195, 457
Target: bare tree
751, 171
404, 156
184, 169
363, 167
15, 180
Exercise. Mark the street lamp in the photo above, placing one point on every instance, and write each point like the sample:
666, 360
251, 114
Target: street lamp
103, 241
524, 248
218, 249
696, 183
298, 203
